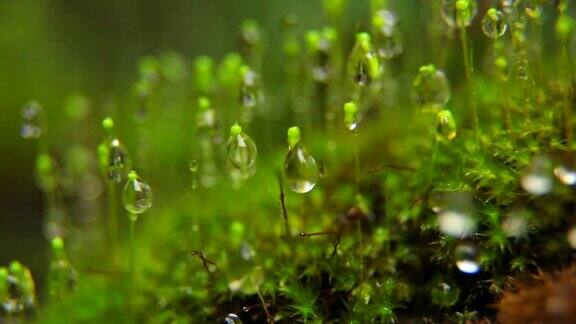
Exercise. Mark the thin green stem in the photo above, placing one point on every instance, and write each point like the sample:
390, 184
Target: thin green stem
469, 68
568, 104
357, 162
432, 165
112, 213
132, 259
361, 247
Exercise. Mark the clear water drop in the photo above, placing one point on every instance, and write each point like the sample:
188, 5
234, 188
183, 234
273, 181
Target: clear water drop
249, 90
456, 224
362, 74
494, 25
232, 319
363, 66
387, 38
537, 179
32, 125
515, 224
467, 258
456, 214
300, 169
118, 162
137, 196
431, 87
194, 170
444, 293
247, 252
445, 126
241, 155
565, 174
455, 17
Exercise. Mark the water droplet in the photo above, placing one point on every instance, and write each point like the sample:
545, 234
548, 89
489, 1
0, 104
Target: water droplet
431, 87
137, 196
362, 75
467, 258
566, 175
319, 46
247, 252
456, 224
445, 126
241, 155
571, 237
194, 170
443, 293
300, 169
455, 217
20, 296
351, 115
62, 276
32, 126
249, 91
515, 224
494, 24
118, 162
458, 13
387, 39
565, 167
536, 178
437, 200
363, 65
232, 319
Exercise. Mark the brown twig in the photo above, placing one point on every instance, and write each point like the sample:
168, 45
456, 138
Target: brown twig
205, 262
283, 205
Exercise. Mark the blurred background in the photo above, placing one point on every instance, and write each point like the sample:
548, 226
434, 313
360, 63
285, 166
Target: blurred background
56, 51
52, 51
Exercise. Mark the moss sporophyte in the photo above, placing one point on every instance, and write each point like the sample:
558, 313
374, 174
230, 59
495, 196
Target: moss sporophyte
443, 145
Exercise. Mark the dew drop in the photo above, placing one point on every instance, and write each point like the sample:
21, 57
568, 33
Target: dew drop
137, 196
515, 224
232, 319
362, 75
494, 24
445, 126
431, 87
455, 17
241, 155
32, 125
194, 170
247, 252
118, 162
456, 224
300, 169
537, 179
443, 293
467, 258
455, 217
566, 175
363, 66
387, 39
249, 92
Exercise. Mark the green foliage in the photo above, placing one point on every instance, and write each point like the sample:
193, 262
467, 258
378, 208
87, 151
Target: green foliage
422, 213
